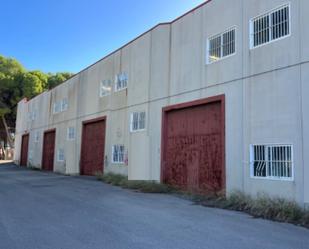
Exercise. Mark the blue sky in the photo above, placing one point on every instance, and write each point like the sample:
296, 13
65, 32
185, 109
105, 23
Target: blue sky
69, 35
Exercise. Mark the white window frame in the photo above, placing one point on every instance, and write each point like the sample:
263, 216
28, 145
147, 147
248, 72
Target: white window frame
57, 107
208, 61
60, 155
105, 88
64, 104
123, 154
61, 106
269, 13
138, 121
117, 89
269, 177
71, 133
32, 115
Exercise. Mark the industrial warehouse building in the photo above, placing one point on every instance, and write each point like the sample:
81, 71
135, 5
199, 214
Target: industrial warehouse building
212, 101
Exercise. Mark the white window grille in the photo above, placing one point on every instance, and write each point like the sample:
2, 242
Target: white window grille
272, 161
60, 155
271, 26
71, 133
32, 115
36, 137
121, 81
221, 45
61, 106
105, 88
64, 105
138, 121
118, 153
57, 107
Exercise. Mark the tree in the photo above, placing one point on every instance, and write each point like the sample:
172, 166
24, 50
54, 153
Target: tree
16, 83
56, 79
32, 85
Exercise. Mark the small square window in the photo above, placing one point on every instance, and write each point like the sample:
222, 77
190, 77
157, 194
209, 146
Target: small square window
57, 107
272, 161
121, 81
118, 153
32, 115
60, 155
105, 88
270, 26
221, 45
71, 133
138, 121
64, 105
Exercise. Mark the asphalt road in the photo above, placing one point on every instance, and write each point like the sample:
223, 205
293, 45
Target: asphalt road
45, 210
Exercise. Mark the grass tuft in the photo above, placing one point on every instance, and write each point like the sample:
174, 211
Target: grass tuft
142, 186
263, 206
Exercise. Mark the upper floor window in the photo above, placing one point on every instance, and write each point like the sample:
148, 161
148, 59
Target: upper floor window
138, 121
270, 26
57, 107
105, 88
71, 133
64, 105
121, 81
272, 161
32, 115
221, 45
118, 153
61, 106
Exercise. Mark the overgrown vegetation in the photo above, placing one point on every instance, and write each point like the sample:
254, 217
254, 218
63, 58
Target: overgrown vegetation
263, 206
142, 186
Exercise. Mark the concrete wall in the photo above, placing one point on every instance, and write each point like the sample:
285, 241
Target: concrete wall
265, 91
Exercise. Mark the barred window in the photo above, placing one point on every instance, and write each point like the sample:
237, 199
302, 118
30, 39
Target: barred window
138, 121
64, 105
57, 107
270, 26
118, 153
60, 155
121, 81
32, 115
221, 45
71, 133
105, 88
272, 161
61, 106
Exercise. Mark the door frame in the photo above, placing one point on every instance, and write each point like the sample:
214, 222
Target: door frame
84, 123
45, 132
185, 105
21, 148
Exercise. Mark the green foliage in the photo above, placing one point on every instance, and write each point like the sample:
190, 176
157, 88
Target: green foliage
55, 79
32, 85
16, 83
263, 206
142, 186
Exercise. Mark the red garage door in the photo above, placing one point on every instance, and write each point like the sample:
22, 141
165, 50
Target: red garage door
48, 150
92, 151
24, 150
193, 145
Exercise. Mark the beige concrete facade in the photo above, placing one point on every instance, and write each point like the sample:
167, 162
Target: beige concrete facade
265, 90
